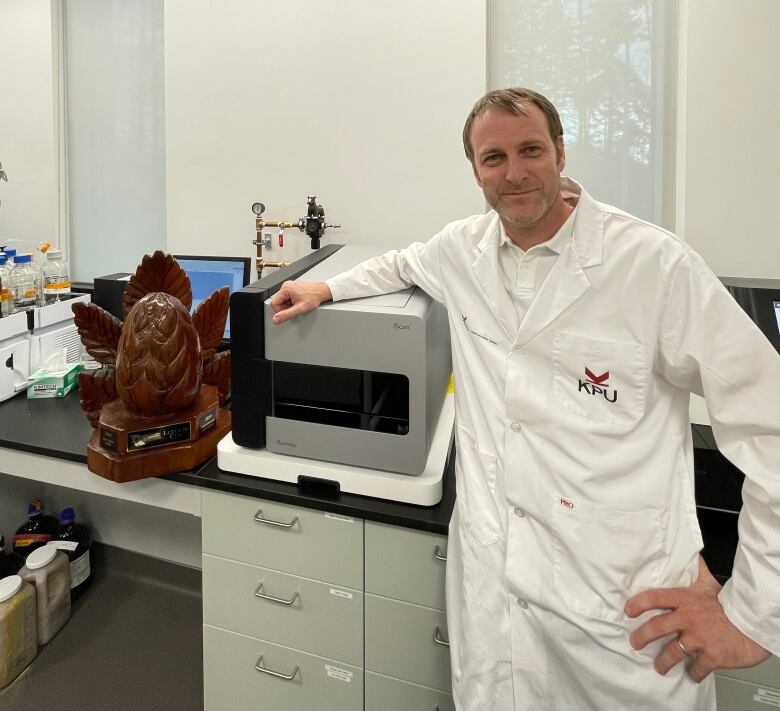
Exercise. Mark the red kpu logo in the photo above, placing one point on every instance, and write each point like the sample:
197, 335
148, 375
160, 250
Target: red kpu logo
597, 379
568, 504
597, 385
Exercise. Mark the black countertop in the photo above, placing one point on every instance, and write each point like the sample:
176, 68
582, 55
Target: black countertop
58, 428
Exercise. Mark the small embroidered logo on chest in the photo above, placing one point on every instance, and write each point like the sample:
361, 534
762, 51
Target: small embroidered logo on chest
568, 504
465, 318
597, 385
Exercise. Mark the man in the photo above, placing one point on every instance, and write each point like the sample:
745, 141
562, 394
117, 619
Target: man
574, 580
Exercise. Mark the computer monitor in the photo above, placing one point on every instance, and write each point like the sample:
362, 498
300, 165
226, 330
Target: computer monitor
777, 314
207, 274
760, 298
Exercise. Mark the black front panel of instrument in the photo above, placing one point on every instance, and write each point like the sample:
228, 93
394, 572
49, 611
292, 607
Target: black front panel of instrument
251, 372
358, 399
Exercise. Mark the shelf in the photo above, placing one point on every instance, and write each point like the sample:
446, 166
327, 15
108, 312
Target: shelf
164, 494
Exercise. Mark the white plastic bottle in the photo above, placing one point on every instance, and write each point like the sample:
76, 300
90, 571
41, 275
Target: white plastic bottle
18, 633
55, 277
49, 571
23, 283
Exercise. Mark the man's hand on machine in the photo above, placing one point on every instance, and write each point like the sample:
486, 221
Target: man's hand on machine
296, 298
704, 638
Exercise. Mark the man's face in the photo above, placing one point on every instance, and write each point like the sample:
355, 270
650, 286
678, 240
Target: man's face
518, 166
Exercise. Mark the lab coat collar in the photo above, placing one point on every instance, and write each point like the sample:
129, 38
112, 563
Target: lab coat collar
566, 281
486, 271
588, 237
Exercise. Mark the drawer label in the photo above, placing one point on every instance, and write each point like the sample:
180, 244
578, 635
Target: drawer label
339, 517
341, 593
336, 673
767, 696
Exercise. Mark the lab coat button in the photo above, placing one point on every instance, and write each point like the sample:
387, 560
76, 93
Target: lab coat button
516, 427
519, 513
522, 604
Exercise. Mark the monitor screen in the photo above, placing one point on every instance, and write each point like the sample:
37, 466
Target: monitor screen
207, 274
777, 314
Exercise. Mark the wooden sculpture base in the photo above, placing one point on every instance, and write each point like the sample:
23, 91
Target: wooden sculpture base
125, 447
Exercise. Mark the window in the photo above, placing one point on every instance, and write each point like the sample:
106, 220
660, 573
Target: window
609, 66
115, 134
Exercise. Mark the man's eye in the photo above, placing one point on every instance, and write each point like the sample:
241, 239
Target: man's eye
491, 159
533, 150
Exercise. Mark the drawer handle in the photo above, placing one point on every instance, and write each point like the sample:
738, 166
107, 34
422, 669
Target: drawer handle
438, 639
259, 518
259, 666
259, 593
438, 554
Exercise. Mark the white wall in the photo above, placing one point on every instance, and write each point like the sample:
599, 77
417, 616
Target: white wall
379, 140
29, 210
361, 104
730, 184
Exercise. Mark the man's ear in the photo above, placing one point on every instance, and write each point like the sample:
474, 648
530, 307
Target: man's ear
560, 153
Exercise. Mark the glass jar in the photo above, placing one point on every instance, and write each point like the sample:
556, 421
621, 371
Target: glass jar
24, 283
55, 278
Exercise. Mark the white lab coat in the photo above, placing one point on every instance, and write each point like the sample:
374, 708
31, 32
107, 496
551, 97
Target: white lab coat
574, 488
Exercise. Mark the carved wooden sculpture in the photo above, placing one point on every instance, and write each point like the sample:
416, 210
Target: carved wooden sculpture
157, 401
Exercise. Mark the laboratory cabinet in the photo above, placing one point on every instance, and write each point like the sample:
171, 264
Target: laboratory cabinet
305, 608
243, 673
754, 689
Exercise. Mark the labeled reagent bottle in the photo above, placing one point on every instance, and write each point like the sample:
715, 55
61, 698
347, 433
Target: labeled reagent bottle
75, 540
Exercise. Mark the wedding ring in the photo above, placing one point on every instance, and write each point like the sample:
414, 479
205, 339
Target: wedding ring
683, 648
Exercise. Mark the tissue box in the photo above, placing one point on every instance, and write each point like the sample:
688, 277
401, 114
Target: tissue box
59, 384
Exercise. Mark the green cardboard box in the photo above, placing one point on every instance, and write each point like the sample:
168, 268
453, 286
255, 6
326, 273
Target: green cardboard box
59, 384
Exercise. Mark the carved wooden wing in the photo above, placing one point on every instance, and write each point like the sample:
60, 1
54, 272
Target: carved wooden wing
209, 319
217, 372
99, 331
96, 389
158, 272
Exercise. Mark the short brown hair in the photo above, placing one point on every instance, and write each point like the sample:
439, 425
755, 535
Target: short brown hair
512, 101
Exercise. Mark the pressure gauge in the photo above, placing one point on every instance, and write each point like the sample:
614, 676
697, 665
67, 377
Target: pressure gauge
258, 208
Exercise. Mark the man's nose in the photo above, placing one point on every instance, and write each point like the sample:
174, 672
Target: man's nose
516, 170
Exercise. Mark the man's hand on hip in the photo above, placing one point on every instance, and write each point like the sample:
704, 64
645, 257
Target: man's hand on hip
702, 630
296, 298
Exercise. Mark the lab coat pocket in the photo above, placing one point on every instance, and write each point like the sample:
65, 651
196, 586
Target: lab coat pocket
602, 557
475, 481
599, 380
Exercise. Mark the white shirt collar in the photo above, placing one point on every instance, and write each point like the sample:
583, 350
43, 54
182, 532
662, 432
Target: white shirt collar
555, 243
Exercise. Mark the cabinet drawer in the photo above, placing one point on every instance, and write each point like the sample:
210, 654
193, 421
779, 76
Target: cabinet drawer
313, 544
386, 694
231, 680
400, 642
768, 673
321, 619
405, 564
734, 695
